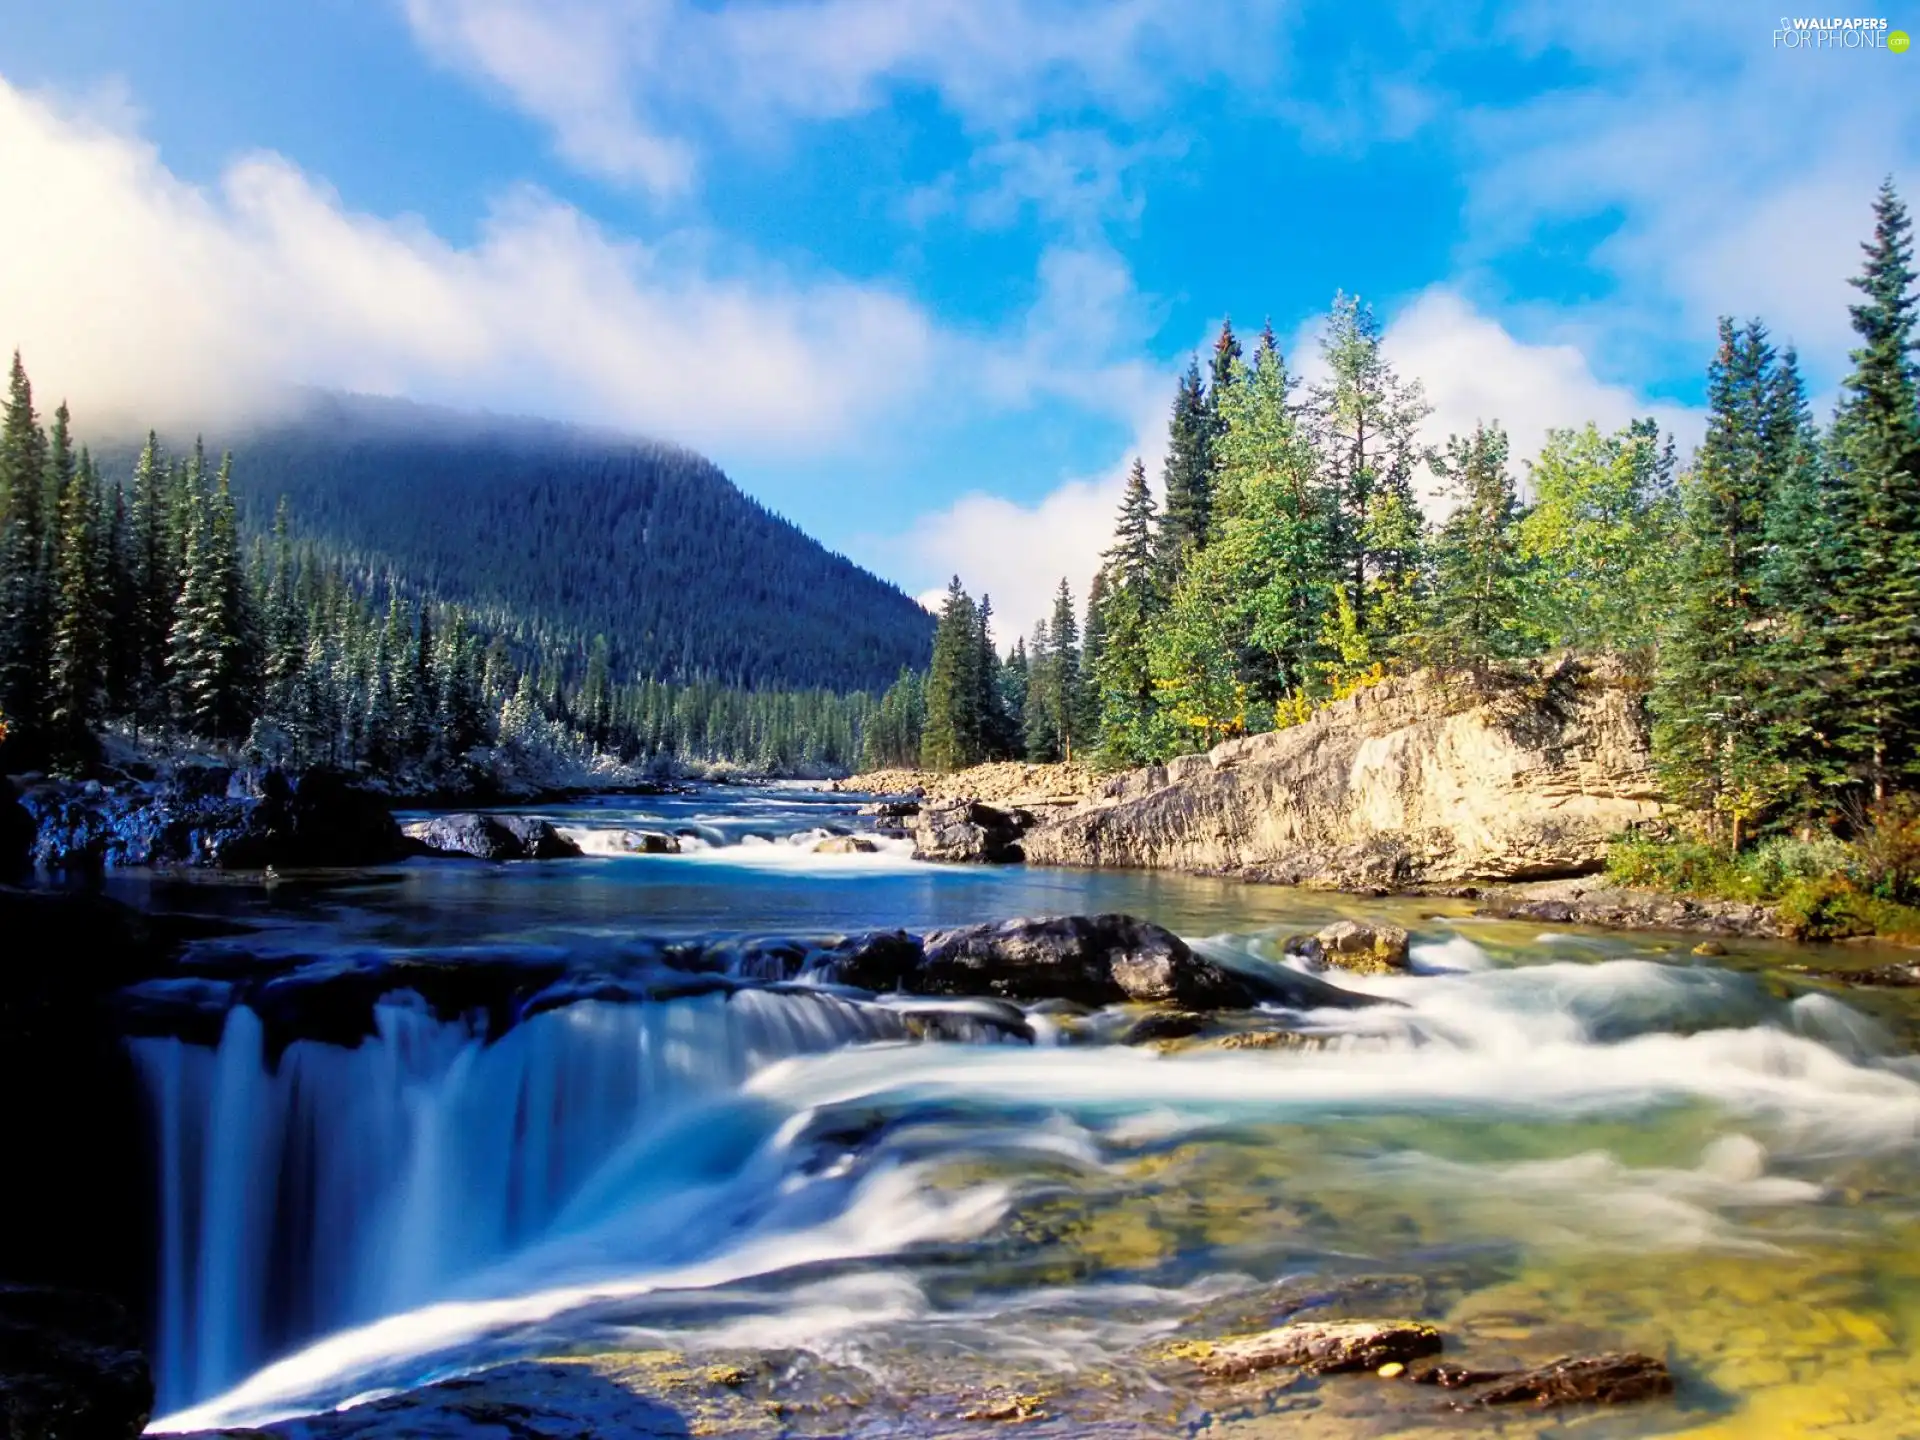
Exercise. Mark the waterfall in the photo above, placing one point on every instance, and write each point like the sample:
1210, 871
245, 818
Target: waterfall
342, 1185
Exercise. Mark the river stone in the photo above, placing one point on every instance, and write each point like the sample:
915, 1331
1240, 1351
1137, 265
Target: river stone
845, 845
1612, 1379
492, 837
71, 1367
968, 832
1320, 1348
1365, 949
1094, 959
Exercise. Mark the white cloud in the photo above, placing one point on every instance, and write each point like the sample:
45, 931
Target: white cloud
1474, 370
620, 82
144, 298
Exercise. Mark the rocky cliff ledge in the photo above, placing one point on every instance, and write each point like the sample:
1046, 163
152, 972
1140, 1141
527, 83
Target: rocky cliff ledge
1519, 773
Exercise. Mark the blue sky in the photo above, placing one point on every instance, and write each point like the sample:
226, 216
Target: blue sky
919, 272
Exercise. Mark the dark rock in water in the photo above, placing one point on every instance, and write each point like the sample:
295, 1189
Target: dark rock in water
16, 833
75, 1192
209, 815
967, 1022
71, 1367
1615, 1379
1094, 959
1164, 1025
968, 832
758, 958
493, 837
1320, 1348
879, 960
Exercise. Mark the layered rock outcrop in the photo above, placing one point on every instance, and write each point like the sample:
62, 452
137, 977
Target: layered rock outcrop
1518, 773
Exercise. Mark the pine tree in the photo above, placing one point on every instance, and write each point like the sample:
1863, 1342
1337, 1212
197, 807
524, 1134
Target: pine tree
951, 737
211, 632
1708, 736
156, 583
1122, 676
1093, 648
1243, 632
24, 598
76, 679
1040, 715
1474, 608
1187, 475
998, 738
1876, 451
1365, 420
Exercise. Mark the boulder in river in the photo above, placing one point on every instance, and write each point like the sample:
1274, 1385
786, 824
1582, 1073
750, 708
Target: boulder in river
845, 845
967, 831
1098, 960
1318, 1347
1365, 949
492, 837
71, 1367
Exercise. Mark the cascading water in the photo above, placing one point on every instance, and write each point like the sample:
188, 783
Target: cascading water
345, 1184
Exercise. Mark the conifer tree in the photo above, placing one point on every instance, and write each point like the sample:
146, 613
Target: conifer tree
1122, 676
155, 581
1187, 475
998, 738
1243, 632
1040, 715
951, 737
1707, 698
24, 597
1365, 420
1474, 607
1876, 452
76, 679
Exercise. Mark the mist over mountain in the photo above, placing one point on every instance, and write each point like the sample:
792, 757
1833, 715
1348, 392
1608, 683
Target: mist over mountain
576, 532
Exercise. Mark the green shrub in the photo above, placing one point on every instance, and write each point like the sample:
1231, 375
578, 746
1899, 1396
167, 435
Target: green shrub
1888, 850
1821, 908
1774, 865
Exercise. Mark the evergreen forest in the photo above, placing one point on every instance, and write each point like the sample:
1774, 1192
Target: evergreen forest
142, 606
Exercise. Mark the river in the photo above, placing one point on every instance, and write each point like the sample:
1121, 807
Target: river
1551, 1143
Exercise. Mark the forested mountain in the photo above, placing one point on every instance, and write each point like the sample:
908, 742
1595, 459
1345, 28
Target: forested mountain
562, 533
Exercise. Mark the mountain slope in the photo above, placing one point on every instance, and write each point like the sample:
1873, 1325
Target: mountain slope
583, 533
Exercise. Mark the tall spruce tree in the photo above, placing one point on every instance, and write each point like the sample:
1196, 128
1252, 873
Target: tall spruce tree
1122, 676
1876, 452
25, 601
951, 736
76, 679
1708, 694
1187, 475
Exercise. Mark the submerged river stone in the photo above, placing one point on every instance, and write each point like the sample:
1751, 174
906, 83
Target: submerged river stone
1614, 1379
1318, 1348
